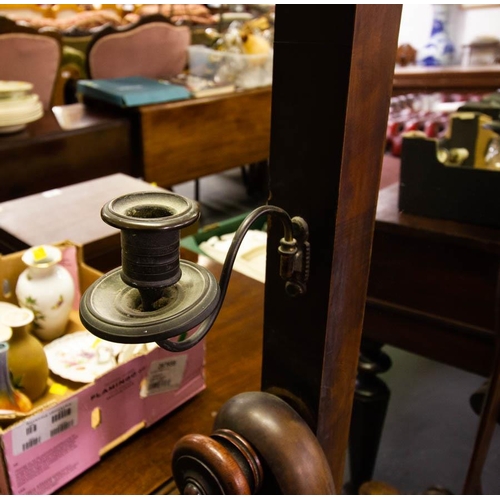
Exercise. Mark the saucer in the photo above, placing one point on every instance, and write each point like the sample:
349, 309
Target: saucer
81, 356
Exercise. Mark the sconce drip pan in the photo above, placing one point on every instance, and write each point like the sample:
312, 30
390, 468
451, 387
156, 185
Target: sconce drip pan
111, 310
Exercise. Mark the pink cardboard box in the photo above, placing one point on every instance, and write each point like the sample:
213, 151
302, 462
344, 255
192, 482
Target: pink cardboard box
73, 425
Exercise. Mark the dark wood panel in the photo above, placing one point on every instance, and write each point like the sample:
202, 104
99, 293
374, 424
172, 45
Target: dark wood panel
432, 285
460, 345
330, 176
45, 156
438, 277
185, 140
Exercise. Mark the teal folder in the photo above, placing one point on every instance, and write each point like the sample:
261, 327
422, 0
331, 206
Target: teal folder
132, 91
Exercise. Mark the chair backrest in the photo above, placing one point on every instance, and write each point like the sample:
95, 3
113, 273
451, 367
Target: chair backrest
152, 48
31, 56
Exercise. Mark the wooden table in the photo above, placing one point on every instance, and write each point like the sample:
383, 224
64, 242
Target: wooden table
141, 465
471, 79
186, 140
68, 145
70, 213
431, 291
432, 286
165, 143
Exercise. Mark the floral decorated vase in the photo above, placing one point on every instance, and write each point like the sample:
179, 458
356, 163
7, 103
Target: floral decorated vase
48, 289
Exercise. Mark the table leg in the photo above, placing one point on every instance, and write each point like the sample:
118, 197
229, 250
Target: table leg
197, 189
371, 399
487, 424
477, 399
256, 178
489, 414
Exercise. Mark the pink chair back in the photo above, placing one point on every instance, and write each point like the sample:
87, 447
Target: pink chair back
154, 50
31, 57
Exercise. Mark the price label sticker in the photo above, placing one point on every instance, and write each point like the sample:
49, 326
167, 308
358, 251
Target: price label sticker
164, 375
39, 254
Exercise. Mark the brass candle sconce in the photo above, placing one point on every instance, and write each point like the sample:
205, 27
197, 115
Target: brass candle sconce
156, 296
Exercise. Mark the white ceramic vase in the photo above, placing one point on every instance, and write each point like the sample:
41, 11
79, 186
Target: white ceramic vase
48, 289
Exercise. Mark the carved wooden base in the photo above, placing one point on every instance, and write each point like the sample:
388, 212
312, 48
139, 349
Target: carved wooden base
371, 399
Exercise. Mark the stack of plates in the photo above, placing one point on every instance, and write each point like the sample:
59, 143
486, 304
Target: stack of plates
18, 106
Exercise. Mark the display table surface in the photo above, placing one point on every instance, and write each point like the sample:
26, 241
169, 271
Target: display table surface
69, 213
165, 143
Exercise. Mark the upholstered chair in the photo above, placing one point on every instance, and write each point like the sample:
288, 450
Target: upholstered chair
31, 56
151, 48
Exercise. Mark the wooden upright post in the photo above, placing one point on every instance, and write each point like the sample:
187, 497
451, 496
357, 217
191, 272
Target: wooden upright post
332, 82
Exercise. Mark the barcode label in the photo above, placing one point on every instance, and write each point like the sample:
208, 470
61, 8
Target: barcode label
31, 442
165, 375
42, 427
63, 413
61, 427
31, 428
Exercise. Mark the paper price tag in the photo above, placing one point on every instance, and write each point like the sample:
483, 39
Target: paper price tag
164, 375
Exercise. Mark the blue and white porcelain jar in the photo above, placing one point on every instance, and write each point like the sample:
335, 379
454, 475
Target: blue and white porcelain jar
439, 50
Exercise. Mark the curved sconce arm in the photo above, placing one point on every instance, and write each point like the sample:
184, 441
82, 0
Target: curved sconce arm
155, 296
291, 266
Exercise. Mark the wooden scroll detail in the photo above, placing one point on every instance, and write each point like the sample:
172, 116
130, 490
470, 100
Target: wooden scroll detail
259, 445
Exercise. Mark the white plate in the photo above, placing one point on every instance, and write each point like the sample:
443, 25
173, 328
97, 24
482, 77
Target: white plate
81, 356
20, 103
10, 87
28, 107
7, 306
21, 118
